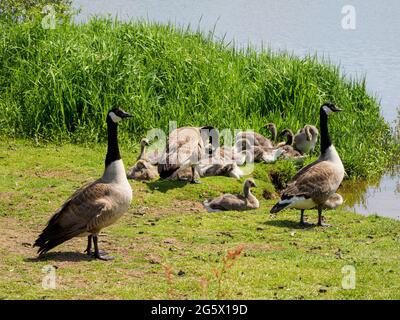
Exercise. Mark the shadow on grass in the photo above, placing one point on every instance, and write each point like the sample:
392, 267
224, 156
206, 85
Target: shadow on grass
288, 224
61, 256
165, 185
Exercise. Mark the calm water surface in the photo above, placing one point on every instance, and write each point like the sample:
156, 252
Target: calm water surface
301, 27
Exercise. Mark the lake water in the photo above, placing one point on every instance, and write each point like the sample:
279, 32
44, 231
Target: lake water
301, 27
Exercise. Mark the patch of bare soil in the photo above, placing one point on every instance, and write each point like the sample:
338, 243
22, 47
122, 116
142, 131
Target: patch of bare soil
15, 236
176, 206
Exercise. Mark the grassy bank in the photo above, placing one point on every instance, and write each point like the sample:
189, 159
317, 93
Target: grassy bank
58, 84
168, 246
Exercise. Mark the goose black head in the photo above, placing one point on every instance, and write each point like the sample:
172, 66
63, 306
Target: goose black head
329, 108
117, 114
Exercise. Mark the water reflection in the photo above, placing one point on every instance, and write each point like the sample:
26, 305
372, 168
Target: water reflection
377, 197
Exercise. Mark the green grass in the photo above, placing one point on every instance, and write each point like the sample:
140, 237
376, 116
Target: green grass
167, 228
58, 85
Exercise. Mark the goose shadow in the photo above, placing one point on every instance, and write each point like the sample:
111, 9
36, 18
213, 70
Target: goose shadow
166, 185
61, 257
288, 224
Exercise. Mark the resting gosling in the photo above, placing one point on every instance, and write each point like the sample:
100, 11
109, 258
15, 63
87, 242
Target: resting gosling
314, 184
306, 139
143, 170
94, 206
287, 149
234, 202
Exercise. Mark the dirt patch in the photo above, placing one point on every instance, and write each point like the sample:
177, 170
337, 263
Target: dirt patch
261, 247
176, 206
15, 236
6, 196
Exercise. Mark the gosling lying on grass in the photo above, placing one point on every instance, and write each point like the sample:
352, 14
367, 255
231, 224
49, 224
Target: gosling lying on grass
230, 202
144, 169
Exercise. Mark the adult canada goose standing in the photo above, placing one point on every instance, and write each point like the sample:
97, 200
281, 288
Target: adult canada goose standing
314, 184
94, 206
144, 169
235, 202
184, 150
306, 139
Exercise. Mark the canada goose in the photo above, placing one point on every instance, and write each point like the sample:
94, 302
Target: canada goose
184, 149
143, 170
314, 184
235, 202
287, 149
97, 204
306, 139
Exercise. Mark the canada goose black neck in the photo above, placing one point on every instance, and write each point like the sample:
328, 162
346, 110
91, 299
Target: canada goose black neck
325, 138
112, 148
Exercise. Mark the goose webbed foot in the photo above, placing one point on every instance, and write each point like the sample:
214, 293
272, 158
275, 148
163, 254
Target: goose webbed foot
103, 257
320, 219
304, 223
98, 254
92, 253
326, 225
89, 250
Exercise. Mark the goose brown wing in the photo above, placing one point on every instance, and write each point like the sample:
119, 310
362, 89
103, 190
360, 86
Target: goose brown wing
314, 182
75, 215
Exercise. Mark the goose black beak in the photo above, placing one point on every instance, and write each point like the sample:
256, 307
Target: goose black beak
336, 109
126, 115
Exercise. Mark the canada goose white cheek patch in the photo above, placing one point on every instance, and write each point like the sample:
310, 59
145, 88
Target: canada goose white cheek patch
327, 109
114, 117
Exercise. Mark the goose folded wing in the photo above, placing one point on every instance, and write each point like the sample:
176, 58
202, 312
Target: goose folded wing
88, 203
315, 182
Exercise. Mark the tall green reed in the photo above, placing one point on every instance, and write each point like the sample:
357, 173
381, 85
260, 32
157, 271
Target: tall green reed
58, 85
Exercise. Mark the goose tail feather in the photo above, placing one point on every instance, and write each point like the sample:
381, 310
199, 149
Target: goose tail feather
279, 206
54, 235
